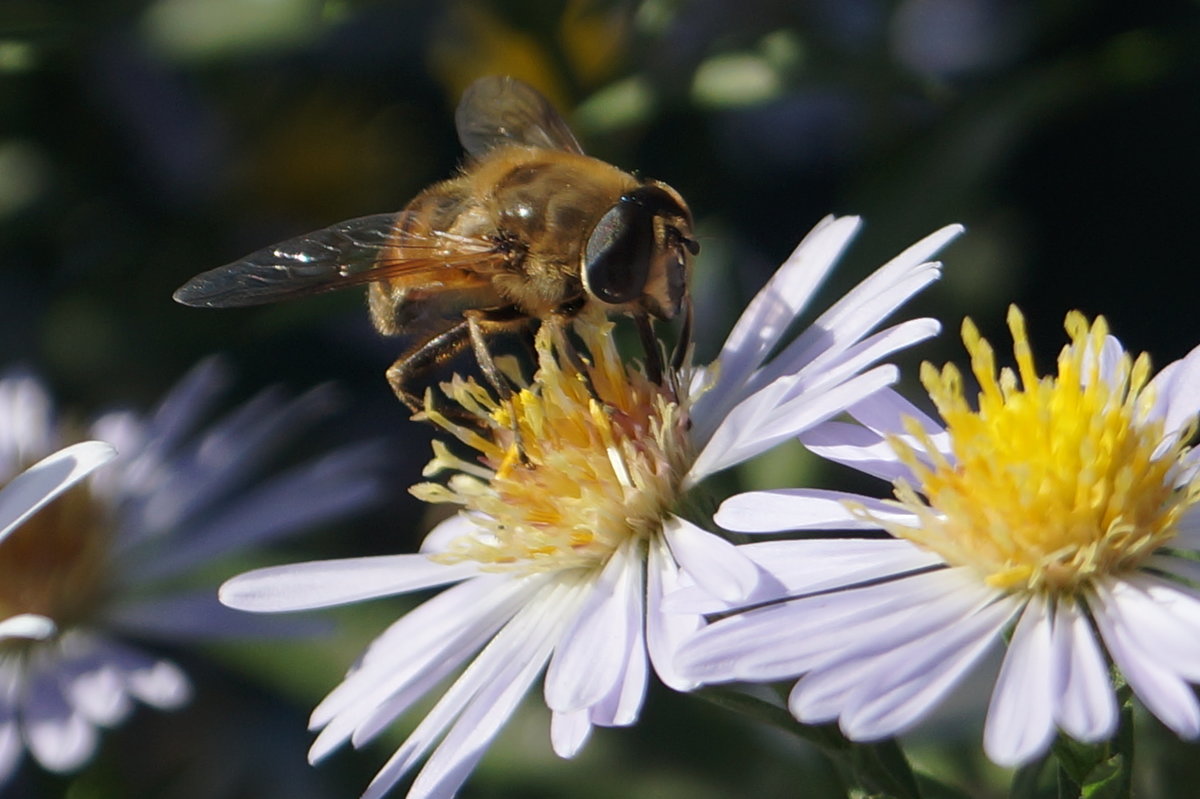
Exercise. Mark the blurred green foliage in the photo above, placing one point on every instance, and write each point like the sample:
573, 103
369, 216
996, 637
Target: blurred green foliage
143, 142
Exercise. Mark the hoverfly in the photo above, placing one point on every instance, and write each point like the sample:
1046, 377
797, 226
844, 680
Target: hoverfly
530, 230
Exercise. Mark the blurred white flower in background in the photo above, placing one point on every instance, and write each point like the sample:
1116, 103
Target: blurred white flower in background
97, 541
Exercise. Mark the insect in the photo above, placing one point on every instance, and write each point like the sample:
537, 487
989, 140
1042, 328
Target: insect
530, 230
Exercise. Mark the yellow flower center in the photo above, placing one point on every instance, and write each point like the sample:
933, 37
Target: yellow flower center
1053, 482
587, 456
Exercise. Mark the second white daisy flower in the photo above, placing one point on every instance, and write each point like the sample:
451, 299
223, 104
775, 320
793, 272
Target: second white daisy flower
1063, 508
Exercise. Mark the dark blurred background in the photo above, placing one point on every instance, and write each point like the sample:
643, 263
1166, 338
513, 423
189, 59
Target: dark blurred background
143, 142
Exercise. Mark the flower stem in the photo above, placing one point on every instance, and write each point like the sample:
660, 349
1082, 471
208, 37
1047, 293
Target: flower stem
879, 769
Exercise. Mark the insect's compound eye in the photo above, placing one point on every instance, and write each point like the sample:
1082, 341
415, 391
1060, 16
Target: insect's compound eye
616, 262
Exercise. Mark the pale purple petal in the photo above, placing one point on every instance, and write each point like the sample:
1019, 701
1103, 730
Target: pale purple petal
310, 495
37, 486
323, 583
713, 563
1087, 706
1020, 718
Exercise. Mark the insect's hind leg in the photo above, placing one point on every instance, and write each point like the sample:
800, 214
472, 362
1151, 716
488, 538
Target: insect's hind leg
422, 358
473, 330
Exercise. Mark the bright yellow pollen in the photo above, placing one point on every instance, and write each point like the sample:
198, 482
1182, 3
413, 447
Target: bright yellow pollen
1054, 481
594, 458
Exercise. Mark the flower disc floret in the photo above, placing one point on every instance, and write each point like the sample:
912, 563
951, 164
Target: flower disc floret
569, 467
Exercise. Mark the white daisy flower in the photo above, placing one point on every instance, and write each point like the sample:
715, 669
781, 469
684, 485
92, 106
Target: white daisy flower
86, 566
1063, 509
571, 530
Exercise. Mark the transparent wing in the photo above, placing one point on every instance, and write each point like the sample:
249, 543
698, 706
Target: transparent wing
499, 110
349, 253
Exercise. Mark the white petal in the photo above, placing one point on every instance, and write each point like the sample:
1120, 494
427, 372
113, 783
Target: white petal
1152, 679
665, 631
28, 431
802, 509
1187, 530
862, 308
762, 421
915, 680
770, 314
623, 704
882, 638
784, 640
797, 567
414, 655
11, 749
446, 532
1020, 718
569, 732
1162, 619
58, 737
715, 564
27, 625
100, 695
857, 447
309, 495
37, 486
591, 658
1176, 390
481, 700
1087, 706
322, 583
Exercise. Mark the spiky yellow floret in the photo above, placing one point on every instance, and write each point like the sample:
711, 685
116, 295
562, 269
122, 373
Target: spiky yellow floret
587, 455
1053, 481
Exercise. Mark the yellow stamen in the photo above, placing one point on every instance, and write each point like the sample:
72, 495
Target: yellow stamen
1053, 482
570, 467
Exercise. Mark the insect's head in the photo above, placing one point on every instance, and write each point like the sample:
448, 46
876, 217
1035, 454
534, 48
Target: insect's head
639, 251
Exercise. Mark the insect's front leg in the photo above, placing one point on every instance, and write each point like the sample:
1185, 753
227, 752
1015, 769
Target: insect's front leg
650, 345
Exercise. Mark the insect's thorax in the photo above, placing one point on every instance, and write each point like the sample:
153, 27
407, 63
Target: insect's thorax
544, 204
